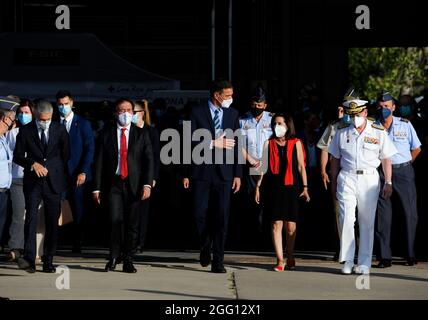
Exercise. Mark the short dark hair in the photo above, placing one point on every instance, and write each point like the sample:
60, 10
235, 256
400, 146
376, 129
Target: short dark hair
219, 86
121, 100
291, 131
62, 94
24, 103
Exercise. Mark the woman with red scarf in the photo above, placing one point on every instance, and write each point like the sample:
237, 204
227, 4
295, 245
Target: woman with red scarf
280, 183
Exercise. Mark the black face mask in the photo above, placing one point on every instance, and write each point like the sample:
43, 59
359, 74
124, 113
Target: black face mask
256, 112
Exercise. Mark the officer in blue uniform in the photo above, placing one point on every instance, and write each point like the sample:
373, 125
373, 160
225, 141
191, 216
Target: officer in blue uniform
256, 130
407, 143
7, 119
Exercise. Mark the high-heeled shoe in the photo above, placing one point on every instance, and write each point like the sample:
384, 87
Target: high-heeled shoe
291, 263
279, 266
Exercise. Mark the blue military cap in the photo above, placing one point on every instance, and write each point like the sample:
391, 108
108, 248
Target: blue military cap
259, 96
8, 104
384, 96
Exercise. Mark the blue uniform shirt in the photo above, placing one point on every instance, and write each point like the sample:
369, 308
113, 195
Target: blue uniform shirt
5, 163
256, 133
405, 139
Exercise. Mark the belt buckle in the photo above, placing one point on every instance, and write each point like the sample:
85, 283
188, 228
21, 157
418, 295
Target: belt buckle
360, 171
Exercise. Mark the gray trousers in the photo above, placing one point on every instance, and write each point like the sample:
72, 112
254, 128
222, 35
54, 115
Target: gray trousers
403, 184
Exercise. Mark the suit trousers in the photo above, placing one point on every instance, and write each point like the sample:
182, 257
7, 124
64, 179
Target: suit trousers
211, 207
357, 191
35, 191
16, 230
124, 219
404, 186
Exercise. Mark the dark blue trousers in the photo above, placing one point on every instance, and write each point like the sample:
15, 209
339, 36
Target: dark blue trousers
403, 184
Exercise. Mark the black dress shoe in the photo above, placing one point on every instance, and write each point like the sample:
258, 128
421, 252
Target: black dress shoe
48, 267
25, 265
205, 257
128, 266
111, 265
411, 261
384, 263
218, 269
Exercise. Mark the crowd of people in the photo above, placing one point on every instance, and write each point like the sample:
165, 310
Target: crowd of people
333, 174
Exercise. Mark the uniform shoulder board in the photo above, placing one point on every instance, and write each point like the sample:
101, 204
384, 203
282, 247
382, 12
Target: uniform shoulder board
271, 114
404, 120
371, 119
378, 126
335, 121
343, 125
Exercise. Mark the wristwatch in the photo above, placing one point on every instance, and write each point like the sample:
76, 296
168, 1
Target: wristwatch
388, 182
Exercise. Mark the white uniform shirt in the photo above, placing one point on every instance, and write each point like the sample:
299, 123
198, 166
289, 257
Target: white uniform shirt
17, 171
361, 151
256, 133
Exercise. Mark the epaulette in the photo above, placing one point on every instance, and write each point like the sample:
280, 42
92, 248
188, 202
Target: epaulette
404, 120
343, 125
271, 114
371, 119
335, 121
378, 126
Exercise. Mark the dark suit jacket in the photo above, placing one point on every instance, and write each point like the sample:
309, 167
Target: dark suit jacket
82, 148
140, 159
154, 139
201, 118
29, 149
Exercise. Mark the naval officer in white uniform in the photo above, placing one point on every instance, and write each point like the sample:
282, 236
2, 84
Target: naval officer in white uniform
358, 148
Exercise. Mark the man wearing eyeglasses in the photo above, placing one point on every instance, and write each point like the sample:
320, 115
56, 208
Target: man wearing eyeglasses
7, 119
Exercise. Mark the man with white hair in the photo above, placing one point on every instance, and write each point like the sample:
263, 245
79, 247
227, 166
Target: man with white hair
358, 148
42, 149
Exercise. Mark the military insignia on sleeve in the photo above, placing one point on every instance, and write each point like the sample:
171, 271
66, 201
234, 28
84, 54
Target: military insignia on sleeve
378, 126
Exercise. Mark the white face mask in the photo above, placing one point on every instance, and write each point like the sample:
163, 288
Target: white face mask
44, 124
226, 103
280, 131
358, 121
124, 119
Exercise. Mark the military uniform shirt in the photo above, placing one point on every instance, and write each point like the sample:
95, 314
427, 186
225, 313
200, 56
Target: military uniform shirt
405, 139
256, 133
328, 135
361, 151
5, 163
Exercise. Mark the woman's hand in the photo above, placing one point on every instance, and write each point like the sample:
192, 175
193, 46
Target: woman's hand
305, 195
257, 195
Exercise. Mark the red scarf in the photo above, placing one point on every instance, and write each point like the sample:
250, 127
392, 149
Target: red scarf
274, 159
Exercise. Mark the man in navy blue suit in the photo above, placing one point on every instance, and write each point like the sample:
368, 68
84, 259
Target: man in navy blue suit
82, 147
42, 149
213, 180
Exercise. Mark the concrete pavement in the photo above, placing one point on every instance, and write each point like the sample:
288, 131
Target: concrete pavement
164, 275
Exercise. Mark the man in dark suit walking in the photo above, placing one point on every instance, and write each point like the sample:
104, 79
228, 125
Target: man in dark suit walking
82, 148
42, 149
123, 177
214, 179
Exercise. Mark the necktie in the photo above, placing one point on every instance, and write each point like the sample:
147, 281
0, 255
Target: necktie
216, 119
123, 156
43, 140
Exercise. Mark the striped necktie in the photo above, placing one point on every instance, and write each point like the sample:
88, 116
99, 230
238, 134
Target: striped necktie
216, 119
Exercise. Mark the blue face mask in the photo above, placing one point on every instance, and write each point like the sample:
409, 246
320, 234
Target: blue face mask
134, 119
384, 113
405, 110
25, 118
346, 118
64, 109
